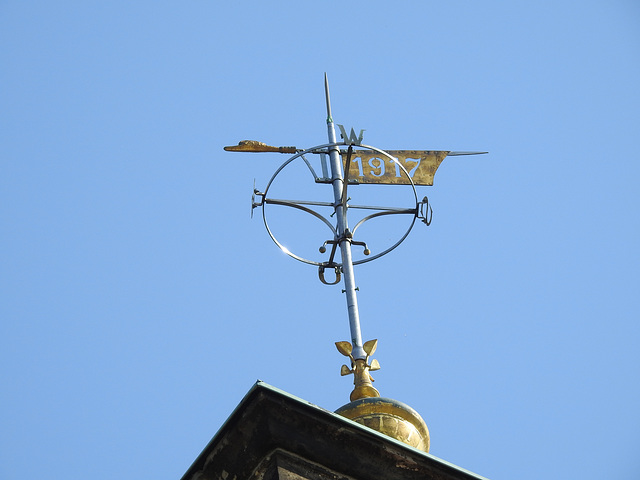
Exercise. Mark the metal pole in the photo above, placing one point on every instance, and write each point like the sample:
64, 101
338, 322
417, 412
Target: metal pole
342, 228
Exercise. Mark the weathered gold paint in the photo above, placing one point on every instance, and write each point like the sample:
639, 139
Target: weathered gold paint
390, 417
258, 147
384, 415
370, 346
362, 381
344, 348
364, 172
360, 368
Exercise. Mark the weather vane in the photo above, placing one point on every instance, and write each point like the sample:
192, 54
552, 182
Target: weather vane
345, 165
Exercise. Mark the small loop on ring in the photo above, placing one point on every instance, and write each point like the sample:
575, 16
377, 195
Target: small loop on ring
336, 269
426, 214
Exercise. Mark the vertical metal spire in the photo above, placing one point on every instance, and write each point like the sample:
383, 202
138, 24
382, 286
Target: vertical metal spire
343, 234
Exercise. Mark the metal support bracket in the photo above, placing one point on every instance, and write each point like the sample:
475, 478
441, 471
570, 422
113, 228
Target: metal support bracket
336, 269
347, 236
255, 204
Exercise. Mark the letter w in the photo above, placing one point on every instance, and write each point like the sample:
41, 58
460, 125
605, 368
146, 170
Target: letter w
351, 139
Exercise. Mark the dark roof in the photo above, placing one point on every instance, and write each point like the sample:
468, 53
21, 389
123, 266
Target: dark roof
271, 429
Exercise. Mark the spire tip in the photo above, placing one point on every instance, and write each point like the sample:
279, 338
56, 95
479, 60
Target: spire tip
326, 94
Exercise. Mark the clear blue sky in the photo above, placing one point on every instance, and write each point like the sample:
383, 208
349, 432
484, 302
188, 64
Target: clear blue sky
139, 302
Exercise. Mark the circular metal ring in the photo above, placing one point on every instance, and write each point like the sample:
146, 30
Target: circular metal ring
324, 220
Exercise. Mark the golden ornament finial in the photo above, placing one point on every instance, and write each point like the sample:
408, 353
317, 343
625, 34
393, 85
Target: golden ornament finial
384, 415
360, 368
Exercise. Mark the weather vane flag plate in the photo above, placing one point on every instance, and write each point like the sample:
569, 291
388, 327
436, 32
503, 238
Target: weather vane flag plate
369, 167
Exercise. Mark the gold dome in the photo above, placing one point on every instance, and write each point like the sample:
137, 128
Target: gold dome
391, 417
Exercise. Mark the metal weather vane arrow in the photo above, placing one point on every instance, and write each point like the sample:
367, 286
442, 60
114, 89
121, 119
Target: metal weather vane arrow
342, 164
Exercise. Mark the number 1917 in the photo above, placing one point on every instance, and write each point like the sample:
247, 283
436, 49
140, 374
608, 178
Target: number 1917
376, 166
